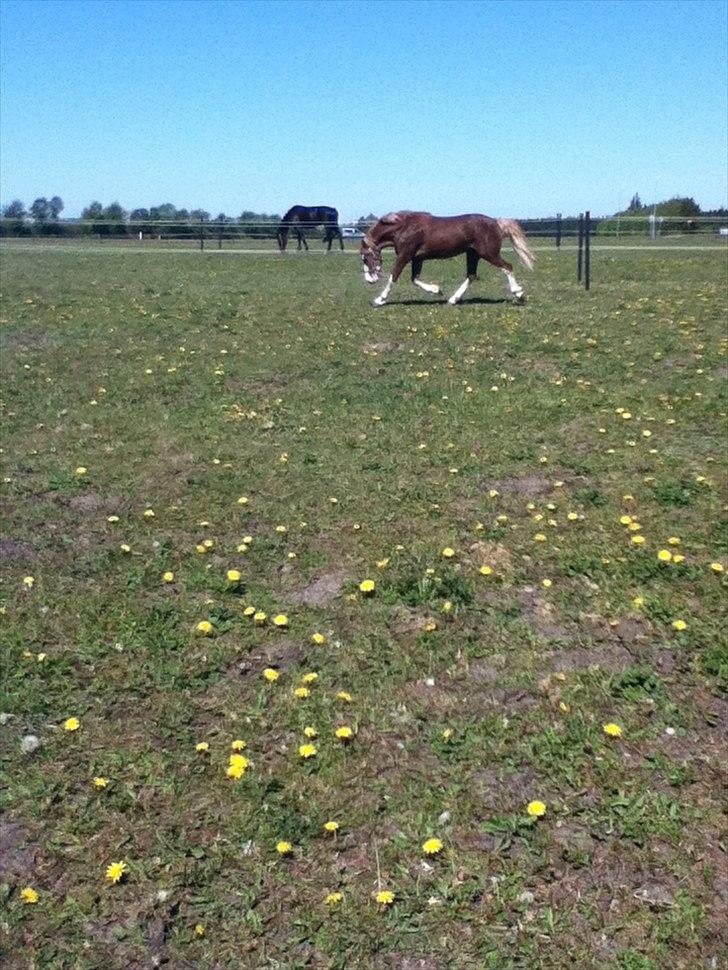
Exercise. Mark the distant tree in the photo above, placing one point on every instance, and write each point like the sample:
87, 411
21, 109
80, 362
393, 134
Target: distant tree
163, 213
199, 215
16, 210
93, 211
139, 215
14, 216
363, 222
114, 213
635, 204
55, 207
40, 211
678, 207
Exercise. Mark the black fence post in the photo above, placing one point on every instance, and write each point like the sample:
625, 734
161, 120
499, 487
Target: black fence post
558, 230
587, 254
202, 235
580, 252
219, 235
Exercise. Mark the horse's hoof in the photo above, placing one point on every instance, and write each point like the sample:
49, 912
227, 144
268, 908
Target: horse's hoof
378, 302
519, 300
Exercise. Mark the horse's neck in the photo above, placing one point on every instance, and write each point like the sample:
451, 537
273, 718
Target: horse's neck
382, 236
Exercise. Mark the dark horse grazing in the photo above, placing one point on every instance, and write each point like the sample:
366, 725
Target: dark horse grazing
309, 216
417, 236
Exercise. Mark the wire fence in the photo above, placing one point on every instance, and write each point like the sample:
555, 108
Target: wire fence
236, 233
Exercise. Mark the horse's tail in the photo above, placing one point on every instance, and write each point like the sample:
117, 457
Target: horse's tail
510, 228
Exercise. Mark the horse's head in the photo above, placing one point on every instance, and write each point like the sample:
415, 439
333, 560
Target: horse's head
371, 258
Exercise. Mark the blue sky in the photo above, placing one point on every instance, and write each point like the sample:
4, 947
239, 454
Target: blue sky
509, 108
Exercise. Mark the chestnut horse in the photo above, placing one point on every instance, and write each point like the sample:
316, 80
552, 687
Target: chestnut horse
299, 217
417, 236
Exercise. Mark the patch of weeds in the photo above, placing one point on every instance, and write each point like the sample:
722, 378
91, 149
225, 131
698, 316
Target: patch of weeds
632, 960
637, 683
674, 493
714, 662
590, 496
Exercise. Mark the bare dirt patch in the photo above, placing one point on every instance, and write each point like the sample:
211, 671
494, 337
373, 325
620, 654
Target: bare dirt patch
535, 485
613, 658
540, 613
322, 591
17, 856
17, 549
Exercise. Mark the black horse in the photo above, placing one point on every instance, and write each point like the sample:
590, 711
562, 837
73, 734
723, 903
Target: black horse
301, 217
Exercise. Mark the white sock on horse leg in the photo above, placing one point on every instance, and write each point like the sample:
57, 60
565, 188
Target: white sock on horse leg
513, 285
459, 291
382, 298
427, 287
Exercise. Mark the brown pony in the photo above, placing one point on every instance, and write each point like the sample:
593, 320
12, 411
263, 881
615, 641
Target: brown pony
417, 236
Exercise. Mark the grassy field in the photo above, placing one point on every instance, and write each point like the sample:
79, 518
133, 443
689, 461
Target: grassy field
491, 469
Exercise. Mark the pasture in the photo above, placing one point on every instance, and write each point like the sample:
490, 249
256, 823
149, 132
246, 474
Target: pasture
538, 495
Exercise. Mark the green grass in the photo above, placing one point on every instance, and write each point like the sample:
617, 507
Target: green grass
378, 438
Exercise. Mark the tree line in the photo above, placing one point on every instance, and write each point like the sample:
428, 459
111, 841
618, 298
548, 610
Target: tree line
42, 217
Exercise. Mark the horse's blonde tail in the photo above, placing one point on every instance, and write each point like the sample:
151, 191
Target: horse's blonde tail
510, 228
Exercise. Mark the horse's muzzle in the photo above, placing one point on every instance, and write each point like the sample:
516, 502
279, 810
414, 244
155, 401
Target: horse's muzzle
371, 277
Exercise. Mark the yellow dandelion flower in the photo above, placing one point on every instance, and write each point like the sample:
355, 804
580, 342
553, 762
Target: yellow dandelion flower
546, 583
281, 620
302, 693
333, 899
717, 567
243, 500
202, 746
124, 547
367, 587
204, 628
238, 745
384, 897
168, 577
446, 606
331, 826
664, 555
199, 929
673, 541
638, 540
679, 624
148, 513
344, 696
382, 563
235, 770
485, 570
29, 895
260, 617
318, 639
612, 730
29, 581
626, 519
284, 848
310, 732
447, 734
432, 846
249, 611
430, 625
233, 576
115, 872
536, 809
638, 601
100, 782
448, 553
71, 724
344, 733
271, 675
310, 678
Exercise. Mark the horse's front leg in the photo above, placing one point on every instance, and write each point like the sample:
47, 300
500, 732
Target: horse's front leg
399, 265
416, 270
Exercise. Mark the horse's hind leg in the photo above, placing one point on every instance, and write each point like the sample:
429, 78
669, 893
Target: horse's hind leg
513, 285
471, 269
416, 270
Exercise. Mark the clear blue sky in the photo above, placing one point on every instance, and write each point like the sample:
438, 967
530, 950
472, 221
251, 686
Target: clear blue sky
509, 108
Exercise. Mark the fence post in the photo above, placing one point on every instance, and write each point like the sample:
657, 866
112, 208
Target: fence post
580, 253
219, 235
202, 236
558, 230
587, 254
